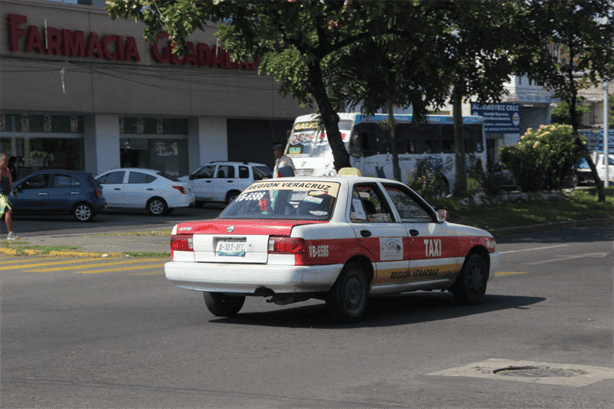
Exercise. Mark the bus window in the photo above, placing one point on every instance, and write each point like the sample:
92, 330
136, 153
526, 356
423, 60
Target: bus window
473, 138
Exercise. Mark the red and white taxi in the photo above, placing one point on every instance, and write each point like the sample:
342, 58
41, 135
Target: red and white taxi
340, 239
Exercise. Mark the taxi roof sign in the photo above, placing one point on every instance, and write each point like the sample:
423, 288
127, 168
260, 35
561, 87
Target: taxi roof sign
349, 172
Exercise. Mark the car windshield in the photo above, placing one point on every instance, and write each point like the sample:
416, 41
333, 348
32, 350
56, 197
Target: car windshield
306, 200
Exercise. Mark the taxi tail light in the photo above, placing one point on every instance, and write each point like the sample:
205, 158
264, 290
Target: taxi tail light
287, 245
182, 242
180, 189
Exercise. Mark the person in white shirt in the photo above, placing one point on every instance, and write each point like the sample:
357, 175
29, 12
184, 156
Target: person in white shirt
284, 167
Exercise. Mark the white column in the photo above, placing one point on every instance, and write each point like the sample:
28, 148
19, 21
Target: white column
207, 140
101, 143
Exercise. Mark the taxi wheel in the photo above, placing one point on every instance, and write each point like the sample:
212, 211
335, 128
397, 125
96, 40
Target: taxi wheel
222, 305
347, 299
470, 286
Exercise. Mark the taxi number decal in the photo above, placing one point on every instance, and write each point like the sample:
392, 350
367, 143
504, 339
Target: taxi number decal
251, 196
318, 251
432, 248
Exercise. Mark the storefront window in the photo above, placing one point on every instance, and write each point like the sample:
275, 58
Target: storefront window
168, 155
44, 153
153, 126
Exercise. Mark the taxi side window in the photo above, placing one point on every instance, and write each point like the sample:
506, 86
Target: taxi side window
368, 206
409, 208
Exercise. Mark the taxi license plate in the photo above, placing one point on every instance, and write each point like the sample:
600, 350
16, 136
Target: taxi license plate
230, 248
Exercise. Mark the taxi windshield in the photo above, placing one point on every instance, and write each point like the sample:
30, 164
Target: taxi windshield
306, 139
304, 200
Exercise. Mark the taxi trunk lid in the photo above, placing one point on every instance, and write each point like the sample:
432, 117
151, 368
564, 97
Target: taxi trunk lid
236, 241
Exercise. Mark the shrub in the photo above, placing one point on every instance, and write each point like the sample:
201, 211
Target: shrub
429, 182
543, 158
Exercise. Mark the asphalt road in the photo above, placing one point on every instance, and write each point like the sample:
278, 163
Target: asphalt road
79, 335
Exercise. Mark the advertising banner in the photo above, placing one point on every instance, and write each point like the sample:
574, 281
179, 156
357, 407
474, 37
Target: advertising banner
498, 118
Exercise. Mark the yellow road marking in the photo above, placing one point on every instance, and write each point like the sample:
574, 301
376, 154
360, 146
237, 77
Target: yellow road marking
506, 273
42, 262
108, 270
102, 264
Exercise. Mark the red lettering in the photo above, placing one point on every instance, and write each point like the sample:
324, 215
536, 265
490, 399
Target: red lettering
191, 57
164, 58
105, 47
93, 46
204, 54
245, 64
229, 63
218, 57
14, 31
54, 41
176, 60
74, 44
34, 41
131, 50
254, 64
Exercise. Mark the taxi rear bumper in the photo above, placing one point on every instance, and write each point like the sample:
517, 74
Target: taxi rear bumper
246, 279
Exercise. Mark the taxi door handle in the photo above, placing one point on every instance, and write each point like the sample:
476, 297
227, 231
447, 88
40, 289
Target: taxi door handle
414, 232
365, 233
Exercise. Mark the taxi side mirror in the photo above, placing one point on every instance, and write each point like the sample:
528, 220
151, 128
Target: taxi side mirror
442, 216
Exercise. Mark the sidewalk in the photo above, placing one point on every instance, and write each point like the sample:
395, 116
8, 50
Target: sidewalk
119, 244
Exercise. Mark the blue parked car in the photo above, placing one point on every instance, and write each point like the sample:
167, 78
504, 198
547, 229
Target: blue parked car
60, 192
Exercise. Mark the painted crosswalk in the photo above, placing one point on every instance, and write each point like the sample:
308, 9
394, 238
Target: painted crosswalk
143, 266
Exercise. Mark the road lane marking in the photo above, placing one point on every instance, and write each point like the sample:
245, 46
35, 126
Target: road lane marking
45, 263
109, 270
567, 257
101, 264
533, 249
505, 273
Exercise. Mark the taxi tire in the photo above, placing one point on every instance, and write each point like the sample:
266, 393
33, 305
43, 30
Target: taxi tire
222, 305
470, 286
347, 299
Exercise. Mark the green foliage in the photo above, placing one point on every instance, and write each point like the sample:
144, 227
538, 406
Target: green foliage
561, 115
543, 158
428, 182
484, 181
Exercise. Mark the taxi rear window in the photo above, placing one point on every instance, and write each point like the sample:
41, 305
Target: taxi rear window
284, 200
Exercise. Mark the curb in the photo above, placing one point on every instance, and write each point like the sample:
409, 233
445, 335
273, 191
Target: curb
550, 226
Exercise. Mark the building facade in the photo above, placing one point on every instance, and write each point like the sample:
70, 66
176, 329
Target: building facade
82, 91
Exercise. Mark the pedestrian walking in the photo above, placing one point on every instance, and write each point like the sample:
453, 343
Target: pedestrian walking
6, 186
284, 166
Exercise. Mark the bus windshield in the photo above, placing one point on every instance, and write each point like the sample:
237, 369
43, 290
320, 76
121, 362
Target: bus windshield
306, 140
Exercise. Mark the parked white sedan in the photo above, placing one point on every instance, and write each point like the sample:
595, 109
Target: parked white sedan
339, 239
149, 189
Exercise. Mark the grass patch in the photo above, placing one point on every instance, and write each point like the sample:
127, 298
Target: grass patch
165, 233
20, 247
582, 204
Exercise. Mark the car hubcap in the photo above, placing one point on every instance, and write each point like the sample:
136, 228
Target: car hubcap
156, 207
353, 294
475, 280
83, 213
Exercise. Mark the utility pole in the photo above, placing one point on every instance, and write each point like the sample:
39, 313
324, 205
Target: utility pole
606, 133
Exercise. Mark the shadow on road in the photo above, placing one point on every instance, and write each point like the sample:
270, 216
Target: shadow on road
403, 309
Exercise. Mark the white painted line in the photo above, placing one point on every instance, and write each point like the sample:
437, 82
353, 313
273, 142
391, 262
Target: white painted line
533, 249
575, 375
565, 258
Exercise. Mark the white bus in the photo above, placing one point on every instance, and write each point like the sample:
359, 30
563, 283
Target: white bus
367, 143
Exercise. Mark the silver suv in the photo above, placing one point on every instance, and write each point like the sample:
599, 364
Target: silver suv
223, 181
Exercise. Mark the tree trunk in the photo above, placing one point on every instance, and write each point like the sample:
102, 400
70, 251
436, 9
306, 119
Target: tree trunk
396, 169
329, 116
460, 172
